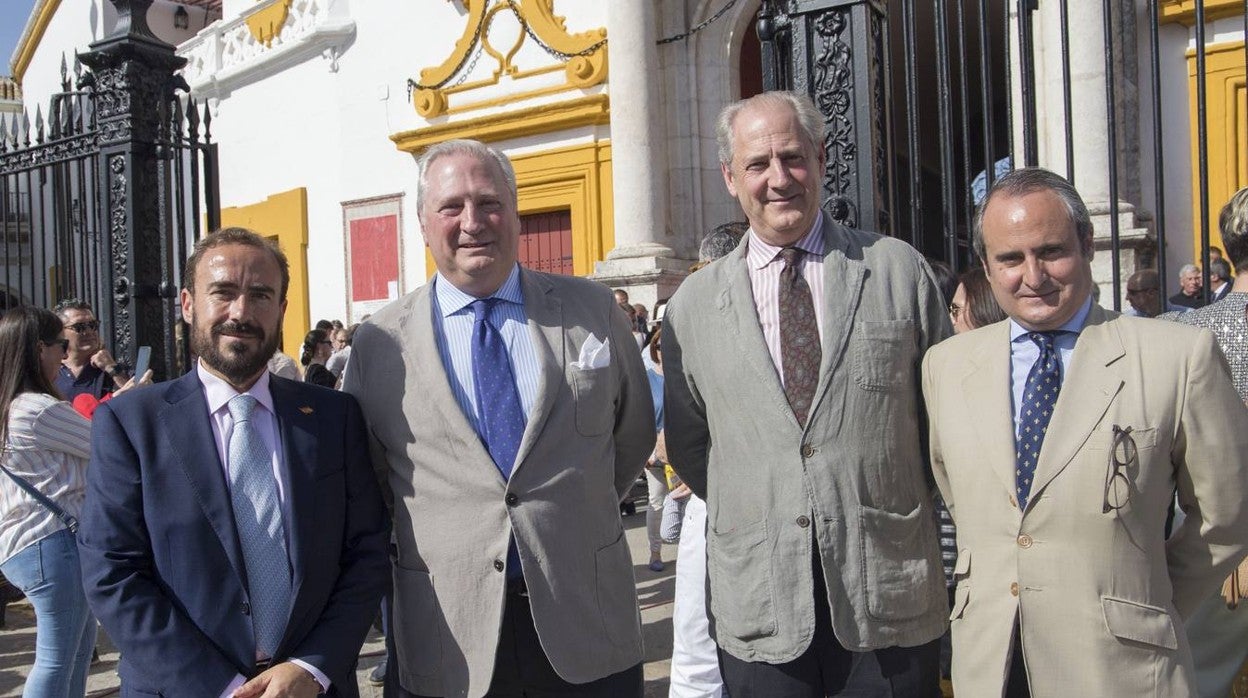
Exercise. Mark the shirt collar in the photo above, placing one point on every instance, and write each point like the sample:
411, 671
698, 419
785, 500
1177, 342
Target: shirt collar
451, 300
761, 254
219, 392
1074, 325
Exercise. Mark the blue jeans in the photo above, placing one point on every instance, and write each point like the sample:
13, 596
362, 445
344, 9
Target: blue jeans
48, 573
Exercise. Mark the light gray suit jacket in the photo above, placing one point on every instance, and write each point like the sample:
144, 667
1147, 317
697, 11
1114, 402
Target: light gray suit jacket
854, 479
585, 444
1099, 594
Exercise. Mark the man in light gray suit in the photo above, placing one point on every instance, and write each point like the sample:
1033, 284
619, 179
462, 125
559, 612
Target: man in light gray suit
509, 414
793, 408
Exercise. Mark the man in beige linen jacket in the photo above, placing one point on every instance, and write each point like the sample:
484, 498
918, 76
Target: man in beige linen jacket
467, 618
1066, 585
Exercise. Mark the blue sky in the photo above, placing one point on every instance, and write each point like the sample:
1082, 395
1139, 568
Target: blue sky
13, 14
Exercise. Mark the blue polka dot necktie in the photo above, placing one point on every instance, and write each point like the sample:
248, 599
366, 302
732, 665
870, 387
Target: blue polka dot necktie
500, 418
258, 520
1044, 382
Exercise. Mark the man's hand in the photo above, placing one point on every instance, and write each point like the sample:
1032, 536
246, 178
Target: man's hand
681, 492
285, 680
104, 361
146, 379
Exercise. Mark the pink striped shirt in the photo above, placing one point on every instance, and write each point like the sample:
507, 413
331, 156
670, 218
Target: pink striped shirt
765, 265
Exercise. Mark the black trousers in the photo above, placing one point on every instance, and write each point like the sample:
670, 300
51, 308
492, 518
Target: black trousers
521, 669
828, 669
1016, 682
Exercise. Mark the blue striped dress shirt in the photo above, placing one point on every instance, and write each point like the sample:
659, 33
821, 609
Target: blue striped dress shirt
453, 329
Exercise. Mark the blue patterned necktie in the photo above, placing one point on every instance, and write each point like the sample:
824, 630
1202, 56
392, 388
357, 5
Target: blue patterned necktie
258, 519
1044, 382
499, 414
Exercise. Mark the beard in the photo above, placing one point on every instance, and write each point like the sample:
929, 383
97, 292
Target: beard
235, 359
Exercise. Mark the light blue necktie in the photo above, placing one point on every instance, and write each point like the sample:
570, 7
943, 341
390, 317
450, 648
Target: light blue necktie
1044, 381
258, 519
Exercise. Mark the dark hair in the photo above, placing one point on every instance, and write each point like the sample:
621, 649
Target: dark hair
21, 371
324, 325
981, 306
1028, 180
723, 239
656, 340
66, 304
235, 236
310, 342
946, 280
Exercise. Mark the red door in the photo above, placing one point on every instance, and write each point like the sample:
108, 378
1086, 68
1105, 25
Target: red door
546, 241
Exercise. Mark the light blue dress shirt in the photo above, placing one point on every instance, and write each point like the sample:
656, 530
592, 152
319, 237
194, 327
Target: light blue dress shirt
1024, 352
453, 320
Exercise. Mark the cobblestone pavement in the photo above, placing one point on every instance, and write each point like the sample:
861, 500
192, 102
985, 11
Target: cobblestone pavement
654, 591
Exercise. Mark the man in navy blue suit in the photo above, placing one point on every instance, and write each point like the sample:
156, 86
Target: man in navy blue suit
233, 539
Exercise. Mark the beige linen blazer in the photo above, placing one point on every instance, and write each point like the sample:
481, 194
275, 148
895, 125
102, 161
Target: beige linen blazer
1100, 595
585, 443
853, 482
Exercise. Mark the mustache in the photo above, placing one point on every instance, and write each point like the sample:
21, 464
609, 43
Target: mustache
237, 329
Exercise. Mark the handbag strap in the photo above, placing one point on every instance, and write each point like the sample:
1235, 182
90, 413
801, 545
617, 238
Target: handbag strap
70, 522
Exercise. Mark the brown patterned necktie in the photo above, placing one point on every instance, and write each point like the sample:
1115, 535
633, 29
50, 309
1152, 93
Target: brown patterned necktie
800, 352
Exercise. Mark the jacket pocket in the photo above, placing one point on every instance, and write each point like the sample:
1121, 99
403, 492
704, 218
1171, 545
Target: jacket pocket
897, 562
962, 593
416, 622
740, 580
884, 354
616, 593
594, 409
1130, 620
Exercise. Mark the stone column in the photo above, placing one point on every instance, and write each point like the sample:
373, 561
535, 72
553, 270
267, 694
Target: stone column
1090, 135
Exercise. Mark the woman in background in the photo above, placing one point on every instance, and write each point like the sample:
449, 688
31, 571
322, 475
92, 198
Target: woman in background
46, 445
316, 351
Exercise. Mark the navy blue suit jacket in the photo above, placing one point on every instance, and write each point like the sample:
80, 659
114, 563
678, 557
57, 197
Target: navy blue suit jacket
161, 561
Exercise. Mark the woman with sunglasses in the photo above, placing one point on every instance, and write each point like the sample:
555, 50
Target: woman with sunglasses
316, 351
45, 449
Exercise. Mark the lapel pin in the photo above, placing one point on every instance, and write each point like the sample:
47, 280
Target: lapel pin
305, 409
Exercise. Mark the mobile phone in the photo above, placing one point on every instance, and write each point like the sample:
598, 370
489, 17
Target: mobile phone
142, 361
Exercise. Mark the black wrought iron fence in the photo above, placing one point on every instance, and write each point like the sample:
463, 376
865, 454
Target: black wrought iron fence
927, 101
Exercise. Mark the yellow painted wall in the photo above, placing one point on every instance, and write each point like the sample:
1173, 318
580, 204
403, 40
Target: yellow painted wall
1227, 117
576, 178
283, 217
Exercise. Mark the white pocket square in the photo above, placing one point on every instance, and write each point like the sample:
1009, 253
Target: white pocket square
594, 354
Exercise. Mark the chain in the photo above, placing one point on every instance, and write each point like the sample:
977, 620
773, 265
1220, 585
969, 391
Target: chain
702, 25
413, 85
553, 52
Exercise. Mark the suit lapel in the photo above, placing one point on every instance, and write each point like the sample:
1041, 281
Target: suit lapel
188, 431
546, 328
1094, 381
736, 303
842, 287
987, 400
297, 433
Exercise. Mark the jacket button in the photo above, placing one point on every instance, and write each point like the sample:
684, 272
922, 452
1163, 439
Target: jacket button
499, 565
1024, 541
807, 450
246, 608
803, 521
1013, 588
511, 499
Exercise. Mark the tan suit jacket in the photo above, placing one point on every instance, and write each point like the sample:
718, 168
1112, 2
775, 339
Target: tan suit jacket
1100, 596
852, 483
585, 443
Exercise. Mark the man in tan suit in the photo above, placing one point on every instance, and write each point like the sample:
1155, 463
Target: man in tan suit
510, 414
793, 408
1058, 438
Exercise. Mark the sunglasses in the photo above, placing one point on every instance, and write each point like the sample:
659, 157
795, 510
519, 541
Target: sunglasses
80, 327
62, 343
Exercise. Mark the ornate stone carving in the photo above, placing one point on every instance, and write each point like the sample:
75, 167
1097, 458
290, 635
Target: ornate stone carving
833, 94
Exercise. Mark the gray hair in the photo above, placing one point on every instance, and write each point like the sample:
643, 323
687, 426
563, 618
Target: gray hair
808, 118
1234, 224
1188, 269
1221, 269
1028, 180
722, 240
463, 146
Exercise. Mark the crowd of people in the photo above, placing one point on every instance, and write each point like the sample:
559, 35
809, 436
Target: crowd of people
829, 427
